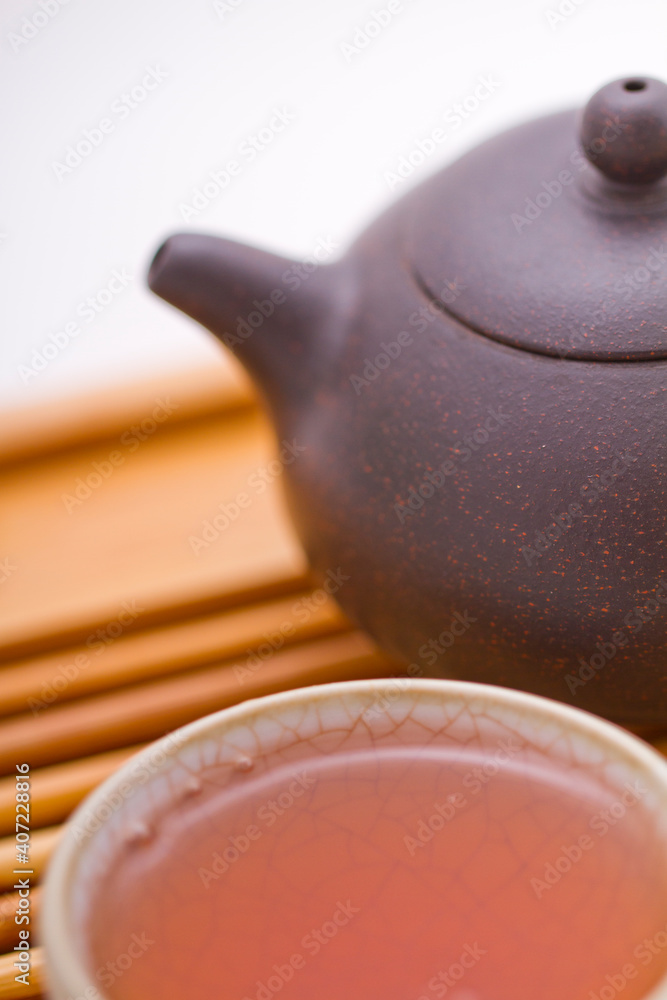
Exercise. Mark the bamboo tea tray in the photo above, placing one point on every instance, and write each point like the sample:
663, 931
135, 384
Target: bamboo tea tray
123, 615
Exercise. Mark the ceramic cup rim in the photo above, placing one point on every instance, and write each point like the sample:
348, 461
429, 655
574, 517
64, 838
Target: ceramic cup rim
67, 975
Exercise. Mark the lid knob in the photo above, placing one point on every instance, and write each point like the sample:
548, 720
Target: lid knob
624, 130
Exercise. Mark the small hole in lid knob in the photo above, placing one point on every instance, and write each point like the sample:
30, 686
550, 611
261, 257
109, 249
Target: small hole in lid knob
635, 85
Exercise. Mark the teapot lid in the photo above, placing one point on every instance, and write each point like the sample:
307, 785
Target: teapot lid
555, 242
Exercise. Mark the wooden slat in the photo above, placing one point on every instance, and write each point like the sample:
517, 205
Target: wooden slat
129, 542
55, 791
42, 844
147, 711
44, 429
10, 989
135, 657
9, 929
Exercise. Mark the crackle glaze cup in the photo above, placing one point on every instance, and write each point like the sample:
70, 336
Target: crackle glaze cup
384, 840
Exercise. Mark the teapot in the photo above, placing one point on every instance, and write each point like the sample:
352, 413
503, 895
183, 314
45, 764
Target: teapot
477, 389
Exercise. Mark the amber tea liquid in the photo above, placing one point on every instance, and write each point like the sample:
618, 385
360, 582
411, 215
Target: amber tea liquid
395, 873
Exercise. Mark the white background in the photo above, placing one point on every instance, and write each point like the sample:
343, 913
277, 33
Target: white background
355, 115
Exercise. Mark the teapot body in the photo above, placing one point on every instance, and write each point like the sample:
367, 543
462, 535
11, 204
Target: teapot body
494, 514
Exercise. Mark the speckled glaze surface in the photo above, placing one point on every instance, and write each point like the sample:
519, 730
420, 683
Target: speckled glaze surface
293, 728
478, 387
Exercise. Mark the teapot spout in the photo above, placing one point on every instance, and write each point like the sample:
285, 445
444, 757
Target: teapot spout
266, 308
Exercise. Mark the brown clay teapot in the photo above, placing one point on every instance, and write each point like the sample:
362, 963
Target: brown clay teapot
480, 388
